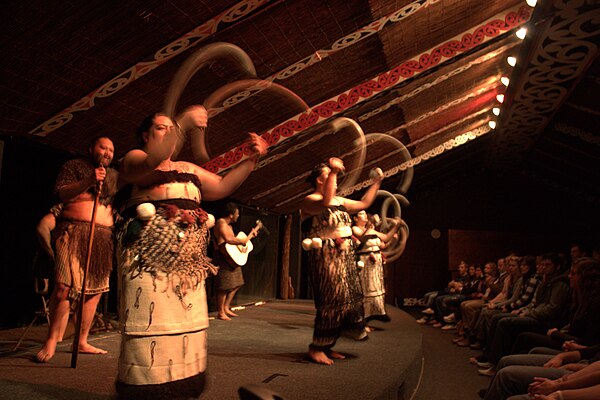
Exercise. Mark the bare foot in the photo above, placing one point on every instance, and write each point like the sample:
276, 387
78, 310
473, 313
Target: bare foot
224, 317
86, 348
47, 352
336, 355
319, 357
230, 313
368, 329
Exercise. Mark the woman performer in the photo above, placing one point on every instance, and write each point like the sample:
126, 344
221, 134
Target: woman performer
370, 264
332, 269
163, 263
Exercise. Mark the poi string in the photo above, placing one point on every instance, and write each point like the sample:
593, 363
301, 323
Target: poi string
191, 66
396, 248
359, 160
400, 246
409, 173
224, 94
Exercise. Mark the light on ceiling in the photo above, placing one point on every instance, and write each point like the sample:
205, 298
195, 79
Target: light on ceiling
500, 97
512, 61
496, 111
505, 81
521, 33
492, 124
531, 3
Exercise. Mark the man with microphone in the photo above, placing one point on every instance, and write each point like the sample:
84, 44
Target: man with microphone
76, 187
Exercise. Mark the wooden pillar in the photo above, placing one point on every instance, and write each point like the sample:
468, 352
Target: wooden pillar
284, 281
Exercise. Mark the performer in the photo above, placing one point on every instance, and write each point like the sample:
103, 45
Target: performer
370, 264
76, 187
230, 277
163, 265
332, 269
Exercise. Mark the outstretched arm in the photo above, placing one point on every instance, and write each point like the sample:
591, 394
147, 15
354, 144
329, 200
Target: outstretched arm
354, 206
215, 187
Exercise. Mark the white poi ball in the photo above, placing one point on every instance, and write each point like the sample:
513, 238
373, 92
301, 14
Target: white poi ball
210, 222
307, 244
317, 243
375, 172
360, 264
145, 211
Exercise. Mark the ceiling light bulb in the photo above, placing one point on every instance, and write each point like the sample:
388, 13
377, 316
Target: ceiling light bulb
531, 3
492, 124
500, 97
521, 33
512, 61
496, 111
505, 81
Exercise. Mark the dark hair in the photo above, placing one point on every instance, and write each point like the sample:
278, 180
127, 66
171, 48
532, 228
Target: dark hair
530, 261
95, 140
145, 127
315, 173
554, 258
230, 208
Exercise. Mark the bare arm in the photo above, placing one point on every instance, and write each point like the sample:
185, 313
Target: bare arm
354, 206
43, 232
386, 237
588, 376
139, 163
314, 203
70, 191
224, 232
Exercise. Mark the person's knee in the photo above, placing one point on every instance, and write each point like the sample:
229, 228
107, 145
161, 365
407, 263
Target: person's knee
61, 292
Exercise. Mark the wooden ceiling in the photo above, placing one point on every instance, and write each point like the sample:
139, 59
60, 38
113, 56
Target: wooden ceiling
310, 75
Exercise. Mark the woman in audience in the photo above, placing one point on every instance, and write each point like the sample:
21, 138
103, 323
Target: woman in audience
584, 324
549, 308
513, 285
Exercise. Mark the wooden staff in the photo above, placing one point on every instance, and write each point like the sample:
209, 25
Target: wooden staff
84, 284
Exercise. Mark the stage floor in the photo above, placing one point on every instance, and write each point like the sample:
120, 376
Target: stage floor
265, 345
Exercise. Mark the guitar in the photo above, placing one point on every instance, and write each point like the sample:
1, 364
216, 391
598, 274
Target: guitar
239, 252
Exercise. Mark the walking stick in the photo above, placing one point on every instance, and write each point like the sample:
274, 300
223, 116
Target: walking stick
75, 352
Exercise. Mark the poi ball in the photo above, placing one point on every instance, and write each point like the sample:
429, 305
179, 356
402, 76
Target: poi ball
307, 244
210, 222
375, 172
145, 211
360, 264
317, 243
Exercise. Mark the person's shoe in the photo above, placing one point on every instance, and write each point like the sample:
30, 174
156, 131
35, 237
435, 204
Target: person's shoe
487, 372
482, 393
428, 311
475, 346
450, 318
463, 343
423, 320
484, 364
478, 359
432, 321
458, 339
437, 325
448, 327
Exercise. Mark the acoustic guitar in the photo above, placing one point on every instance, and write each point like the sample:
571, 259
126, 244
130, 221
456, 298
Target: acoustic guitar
239, 252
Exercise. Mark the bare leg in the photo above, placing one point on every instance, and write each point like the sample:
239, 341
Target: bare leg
319, 357
228, 299
89, 311
221, 295
59, 317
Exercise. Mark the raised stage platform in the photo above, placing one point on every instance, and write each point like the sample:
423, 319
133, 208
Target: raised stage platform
265, 345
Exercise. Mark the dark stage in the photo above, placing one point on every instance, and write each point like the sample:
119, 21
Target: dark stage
265, 345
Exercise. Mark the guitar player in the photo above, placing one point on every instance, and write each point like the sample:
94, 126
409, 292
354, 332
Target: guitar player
230, 277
